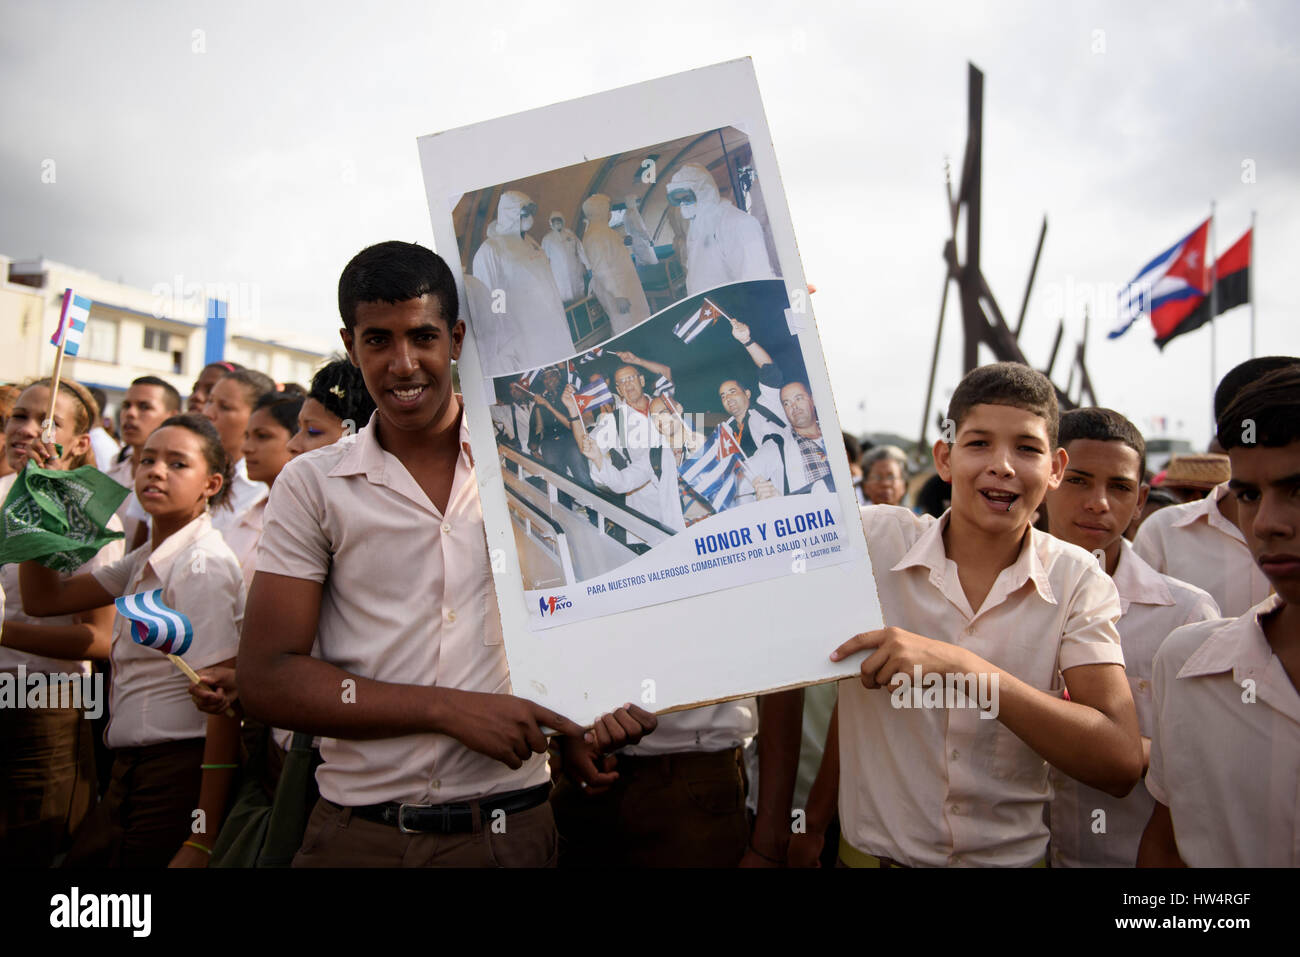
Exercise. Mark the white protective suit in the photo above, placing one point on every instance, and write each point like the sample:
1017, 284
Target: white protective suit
533, 310
568, 262
494, 337
643, 247
613, 276
722, 244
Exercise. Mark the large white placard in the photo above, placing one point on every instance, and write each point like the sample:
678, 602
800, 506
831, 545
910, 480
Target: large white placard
666, 495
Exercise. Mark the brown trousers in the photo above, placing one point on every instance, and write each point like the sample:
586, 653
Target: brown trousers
675, 810
336, 838
47, 782
147, 811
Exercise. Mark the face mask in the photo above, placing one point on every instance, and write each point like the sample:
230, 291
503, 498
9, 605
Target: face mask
687, 210
557, 224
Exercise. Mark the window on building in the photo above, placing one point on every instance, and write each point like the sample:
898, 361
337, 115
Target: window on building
155, 340
100, 340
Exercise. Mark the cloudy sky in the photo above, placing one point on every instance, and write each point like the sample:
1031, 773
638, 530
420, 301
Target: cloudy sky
278, 140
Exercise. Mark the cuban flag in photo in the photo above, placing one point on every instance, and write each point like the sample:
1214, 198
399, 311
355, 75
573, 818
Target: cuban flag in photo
571, 376
688, 329
597, 394
713, 471
591, 356
664, 386
72, 323
154, 625
1169, 287
528, 378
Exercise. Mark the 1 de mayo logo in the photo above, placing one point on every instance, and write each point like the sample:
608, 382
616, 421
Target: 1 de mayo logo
553, 603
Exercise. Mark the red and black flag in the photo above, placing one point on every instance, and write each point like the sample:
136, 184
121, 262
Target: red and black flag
1231, 289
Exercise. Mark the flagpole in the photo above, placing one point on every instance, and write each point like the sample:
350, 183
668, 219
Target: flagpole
47, 427
1214, 303
1250, 282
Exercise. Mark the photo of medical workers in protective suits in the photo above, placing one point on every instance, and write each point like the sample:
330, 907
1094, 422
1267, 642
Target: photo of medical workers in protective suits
623, 237
663, 433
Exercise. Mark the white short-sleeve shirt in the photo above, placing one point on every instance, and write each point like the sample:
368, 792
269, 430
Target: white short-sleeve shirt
1152, 605
408, 598
944, 787
1194, 543
1225, 758
149, 700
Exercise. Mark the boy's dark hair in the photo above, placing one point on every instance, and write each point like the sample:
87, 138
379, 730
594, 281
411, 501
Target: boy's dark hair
852, 447
394, 272
1243, 375
292, 390
1007, 383
171, 398
255, 384
213, 451
283, 408
338, 386
1266, 412
1104, 425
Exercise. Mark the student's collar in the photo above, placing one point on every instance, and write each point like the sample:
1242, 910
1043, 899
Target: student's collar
1136, 581
1208, 508
165, 555
1241, 647
928, 552
365, 456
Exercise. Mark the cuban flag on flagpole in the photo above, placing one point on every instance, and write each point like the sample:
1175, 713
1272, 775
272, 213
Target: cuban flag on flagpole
1169, 287
597, 393
154, 625
72, 322
664, 386
528, 378
688, 329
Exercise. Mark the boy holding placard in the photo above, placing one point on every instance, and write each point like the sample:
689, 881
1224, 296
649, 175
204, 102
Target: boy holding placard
944, 744
373, 549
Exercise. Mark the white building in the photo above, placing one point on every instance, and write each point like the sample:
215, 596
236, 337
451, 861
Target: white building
131, 332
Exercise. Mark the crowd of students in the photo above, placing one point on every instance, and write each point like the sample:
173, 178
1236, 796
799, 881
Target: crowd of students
328, 546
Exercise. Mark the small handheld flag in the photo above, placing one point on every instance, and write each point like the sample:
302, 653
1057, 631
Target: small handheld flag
727, 444
688, 329
591, 356
154, 625
72, 322
597, 393
664, 386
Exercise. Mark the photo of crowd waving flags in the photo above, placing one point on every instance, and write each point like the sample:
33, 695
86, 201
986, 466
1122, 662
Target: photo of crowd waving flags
702, 408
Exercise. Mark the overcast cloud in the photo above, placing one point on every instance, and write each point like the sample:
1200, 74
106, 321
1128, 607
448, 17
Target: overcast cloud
289, 143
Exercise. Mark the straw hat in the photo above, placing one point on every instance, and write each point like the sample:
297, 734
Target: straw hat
1197, 471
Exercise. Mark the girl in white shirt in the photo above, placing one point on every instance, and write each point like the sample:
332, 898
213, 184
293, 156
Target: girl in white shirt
47, 767
173, 768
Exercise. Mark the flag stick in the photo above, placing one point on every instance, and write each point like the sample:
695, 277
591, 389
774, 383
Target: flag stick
47, 427
193, 675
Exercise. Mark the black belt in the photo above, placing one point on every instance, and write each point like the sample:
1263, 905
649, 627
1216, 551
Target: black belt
450, 818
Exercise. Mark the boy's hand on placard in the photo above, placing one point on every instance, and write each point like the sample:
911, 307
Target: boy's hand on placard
503, 727
618, 729
895, 651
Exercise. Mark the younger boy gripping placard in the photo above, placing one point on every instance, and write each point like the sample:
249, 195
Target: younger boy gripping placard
1225, 755
979, 592
1094, 504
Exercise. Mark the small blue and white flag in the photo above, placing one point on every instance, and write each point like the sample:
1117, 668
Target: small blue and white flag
154, 625
664, 386
72, 322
